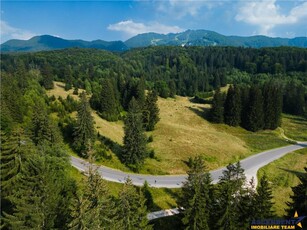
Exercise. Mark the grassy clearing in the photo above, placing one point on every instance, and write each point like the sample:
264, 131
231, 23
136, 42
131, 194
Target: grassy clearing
164, 198
295, 127
182, 132
59, 91
282, 175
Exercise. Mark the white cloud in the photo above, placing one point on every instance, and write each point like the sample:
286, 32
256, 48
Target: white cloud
9, 32
181, 8
132, 28
266, 15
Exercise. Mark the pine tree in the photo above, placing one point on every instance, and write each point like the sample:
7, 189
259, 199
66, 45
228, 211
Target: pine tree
15, 148
84, 131
150, 111
299, 198
272, 105
93, 207
131, 212
108, 105
255, 119
37, 196
195, 196
263, 201
40, 127
172, 88
217, 109
134, 150
230, 197
46, 72
232, 107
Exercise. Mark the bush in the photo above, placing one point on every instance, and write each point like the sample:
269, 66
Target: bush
150, 139
152, 154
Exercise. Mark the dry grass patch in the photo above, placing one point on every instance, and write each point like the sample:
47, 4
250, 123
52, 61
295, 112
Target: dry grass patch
112, 130
182, 133
59, 91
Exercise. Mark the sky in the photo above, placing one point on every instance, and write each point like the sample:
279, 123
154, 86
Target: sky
120, 20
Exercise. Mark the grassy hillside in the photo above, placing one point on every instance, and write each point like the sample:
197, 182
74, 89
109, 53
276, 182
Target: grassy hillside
295, 127
282, 175
182, 132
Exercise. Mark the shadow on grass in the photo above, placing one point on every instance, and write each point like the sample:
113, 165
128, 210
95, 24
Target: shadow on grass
172, 193
199, 111
296, 173
168, 223
112, 145
295, 118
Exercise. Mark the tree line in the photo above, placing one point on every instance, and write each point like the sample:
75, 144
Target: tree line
234, 202
259, 106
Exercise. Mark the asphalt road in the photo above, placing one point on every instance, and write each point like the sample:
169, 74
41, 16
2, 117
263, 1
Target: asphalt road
250, 165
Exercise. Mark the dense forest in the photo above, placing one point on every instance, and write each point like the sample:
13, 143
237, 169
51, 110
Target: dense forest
37, 191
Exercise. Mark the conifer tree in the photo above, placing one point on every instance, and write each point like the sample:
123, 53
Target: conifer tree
232, 107
230, 196
47, 80
108, 105
195, 196
299, 198
84, 130
37, 196
172, 88
40, 127
272, 105
93, 207
263, 200
134, 150
151, 111
131, 212
255, 119
217, 109
15, 148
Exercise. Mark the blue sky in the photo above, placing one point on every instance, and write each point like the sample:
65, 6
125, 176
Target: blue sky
120, 20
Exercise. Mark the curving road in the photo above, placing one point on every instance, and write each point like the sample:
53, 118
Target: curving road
250, 165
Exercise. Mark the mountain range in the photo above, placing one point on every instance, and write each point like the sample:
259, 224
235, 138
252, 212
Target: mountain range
186, 38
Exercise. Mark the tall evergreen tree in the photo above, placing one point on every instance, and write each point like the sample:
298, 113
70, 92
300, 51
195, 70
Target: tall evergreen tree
299, 198
84, 131
230, 196
217, 109
272, 105
195, 196
93, 207
108, 104
131, 212
255, 119
151, 111
47, 76
263, 200
37, 196
232, 107
134, 150
172, 88
15, 149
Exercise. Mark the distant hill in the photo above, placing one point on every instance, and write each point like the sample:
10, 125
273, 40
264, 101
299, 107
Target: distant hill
187, 38
47, 42
210, 38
